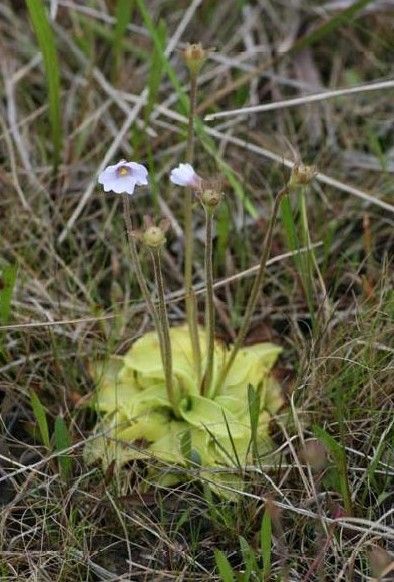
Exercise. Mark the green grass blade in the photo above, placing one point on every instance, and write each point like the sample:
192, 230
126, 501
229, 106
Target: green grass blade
230, 436
339, 456
156, 68
254, 408
223, 226
62, 442
226, 572
290, 228
254, 402
47, 46
186, 445
41, 418
209, 145
156, 72
249, 558
342, 18
302, 262
7, 284
308, 259
383, 444
266, 543
124, 10
157, 42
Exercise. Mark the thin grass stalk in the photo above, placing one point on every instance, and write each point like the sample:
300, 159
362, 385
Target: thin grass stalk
209, 304
257, 284
165, 330
190, 298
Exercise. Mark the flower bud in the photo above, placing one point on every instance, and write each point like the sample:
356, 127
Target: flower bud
194, 56
211, 198
184, 175
301, 175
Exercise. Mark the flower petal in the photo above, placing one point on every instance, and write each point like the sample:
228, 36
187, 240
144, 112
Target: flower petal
139, 173
115, 181
125, 185
184, 175
105, 175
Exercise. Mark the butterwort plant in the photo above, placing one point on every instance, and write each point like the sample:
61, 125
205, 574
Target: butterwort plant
179, 394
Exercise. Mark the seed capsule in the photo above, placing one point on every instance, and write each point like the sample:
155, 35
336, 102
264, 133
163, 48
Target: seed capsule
195, 56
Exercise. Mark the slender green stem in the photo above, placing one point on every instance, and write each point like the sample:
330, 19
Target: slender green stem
136, 262
165, 330
192, 113
140, 276
190, 299
257, 284
209, 304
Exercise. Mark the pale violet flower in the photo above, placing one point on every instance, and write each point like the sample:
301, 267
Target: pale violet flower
184, 175
123, 177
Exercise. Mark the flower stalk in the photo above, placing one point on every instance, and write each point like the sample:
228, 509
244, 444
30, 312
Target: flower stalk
159, 316
190, 299
257, 284
209, 303
165, 329
137, 263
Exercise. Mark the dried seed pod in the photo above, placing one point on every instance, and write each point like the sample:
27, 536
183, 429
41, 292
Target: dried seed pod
301, 175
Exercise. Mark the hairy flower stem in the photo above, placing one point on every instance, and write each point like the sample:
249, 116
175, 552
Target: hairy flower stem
141, 279
209, 304
137, 264
165, 330
257, 285
190, 299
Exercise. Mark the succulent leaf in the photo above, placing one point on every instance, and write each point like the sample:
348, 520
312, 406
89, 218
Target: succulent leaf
138, 422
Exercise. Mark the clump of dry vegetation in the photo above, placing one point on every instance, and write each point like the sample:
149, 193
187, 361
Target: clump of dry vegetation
94, 82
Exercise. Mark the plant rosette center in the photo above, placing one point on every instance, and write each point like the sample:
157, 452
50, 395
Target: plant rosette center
137, 420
